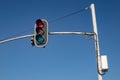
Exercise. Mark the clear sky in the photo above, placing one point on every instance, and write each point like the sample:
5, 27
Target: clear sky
66, 57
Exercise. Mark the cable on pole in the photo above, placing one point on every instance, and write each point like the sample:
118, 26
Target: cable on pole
68, 15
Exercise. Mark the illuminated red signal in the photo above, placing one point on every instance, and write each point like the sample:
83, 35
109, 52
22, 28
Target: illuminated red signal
39, 23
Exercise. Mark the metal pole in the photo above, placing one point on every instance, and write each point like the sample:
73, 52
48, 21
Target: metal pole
50, 33
95, 33
66, 33
16, 38
96, 42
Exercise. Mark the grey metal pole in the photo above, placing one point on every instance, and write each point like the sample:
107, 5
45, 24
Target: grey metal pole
95, 33
50, 33
77, 33
16, 38
98, 56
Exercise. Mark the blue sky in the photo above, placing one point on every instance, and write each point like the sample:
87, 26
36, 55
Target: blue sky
66, 57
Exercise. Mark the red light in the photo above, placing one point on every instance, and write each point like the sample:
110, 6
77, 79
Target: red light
39, 23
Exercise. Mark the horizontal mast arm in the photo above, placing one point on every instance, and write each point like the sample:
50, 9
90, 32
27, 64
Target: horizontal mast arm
16, 38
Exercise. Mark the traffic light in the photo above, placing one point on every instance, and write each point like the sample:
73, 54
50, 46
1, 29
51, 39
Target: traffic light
41, 33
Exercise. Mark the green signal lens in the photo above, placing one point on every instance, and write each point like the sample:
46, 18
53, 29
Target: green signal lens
39, 39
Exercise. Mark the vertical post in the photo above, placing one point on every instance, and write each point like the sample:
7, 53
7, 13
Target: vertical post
98, 57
